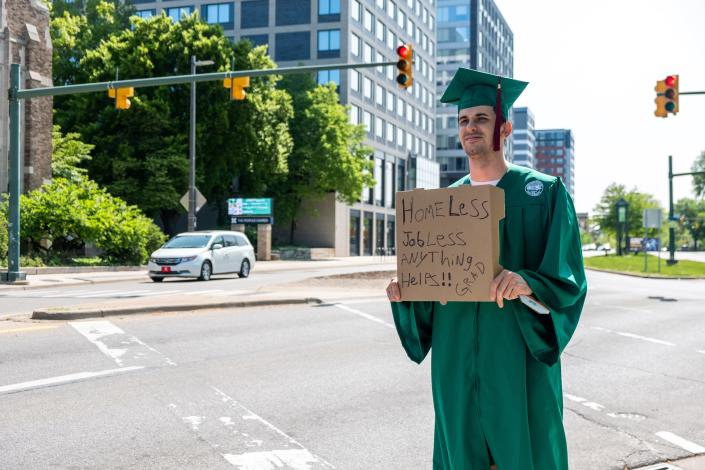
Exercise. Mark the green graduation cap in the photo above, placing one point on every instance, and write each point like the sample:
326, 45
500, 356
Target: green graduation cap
472, 88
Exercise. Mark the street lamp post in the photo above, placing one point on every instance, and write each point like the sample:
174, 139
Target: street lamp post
621, 223
192, 146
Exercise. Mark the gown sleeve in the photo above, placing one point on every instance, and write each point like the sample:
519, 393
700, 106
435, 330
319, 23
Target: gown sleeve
414, 321
559, 283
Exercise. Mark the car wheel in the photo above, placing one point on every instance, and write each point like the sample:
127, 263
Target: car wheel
206, 271
157, 279
244, 268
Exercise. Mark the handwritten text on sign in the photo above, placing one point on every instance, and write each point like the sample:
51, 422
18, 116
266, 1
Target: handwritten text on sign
447, 242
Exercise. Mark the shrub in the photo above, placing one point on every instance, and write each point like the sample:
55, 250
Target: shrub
63, 215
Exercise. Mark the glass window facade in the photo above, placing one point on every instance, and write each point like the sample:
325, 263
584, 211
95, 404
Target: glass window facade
328, 7
218, 13
327, 76
329, 41
176, 13
293, 46
254, 14
291, 12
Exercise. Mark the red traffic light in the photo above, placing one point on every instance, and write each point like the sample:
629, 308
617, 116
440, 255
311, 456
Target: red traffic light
670, 80
403, 51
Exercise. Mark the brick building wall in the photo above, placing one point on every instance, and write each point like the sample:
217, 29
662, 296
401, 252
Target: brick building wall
25, 40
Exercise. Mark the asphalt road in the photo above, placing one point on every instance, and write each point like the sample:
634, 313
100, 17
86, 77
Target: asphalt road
329, 386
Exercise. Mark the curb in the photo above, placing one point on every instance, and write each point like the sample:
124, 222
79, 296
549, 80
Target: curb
48, 314
645, 276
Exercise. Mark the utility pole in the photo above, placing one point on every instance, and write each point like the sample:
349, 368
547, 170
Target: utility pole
192, 147
671, 218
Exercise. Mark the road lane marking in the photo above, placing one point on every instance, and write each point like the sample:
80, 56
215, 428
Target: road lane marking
296, 459
119, 346
680, 442
601, 408
81, 294
30, 328
645, 338
634, 336
363, 315
64, 379
107, 293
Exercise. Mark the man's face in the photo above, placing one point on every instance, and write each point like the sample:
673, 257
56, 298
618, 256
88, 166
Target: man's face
476, 128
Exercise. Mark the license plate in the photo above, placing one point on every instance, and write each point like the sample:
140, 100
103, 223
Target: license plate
166, 269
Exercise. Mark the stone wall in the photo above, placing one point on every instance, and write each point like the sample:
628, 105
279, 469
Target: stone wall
25, 40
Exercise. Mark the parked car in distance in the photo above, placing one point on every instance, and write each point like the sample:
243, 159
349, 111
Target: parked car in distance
201, 255
589, 247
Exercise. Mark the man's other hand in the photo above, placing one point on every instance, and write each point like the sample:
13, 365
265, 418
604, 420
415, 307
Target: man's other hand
508, 285
393, 291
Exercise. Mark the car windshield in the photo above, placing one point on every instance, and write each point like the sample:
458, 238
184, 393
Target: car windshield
190, 241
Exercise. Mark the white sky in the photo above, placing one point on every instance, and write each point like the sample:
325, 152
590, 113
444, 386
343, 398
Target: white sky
592, 66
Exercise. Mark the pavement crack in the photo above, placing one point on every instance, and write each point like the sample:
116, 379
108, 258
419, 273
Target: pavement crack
642, 444
651, 372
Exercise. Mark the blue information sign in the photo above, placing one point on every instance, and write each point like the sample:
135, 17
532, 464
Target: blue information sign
249, 206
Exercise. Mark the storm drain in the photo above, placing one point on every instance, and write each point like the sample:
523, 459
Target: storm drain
660, 466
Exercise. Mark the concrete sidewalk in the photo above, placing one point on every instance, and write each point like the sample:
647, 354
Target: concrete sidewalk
73, 279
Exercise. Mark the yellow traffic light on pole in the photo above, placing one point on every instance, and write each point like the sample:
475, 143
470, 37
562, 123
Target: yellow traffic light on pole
237, 87
405, 65
121, 96
666, 96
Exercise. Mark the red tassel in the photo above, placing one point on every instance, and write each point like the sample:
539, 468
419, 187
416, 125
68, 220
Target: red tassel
500, 116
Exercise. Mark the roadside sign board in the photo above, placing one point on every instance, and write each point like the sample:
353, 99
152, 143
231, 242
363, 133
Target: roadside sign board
248, 219
200, 200
250, 206
652, 218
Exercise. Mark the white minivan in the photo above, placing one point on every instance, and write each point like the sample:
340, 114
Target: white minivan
201, 255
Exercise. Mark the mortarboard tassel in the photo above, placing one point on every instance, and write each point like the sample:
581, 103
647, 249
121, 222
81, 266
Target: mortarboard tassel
500, 116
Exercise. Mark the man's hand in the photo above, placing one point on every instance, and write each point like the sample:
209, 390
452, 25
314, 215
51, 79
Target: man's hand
508, 285
393, 291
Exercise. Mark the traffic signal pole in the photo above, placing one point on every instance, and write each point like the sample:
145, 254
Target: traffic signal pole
671, 217
16, 93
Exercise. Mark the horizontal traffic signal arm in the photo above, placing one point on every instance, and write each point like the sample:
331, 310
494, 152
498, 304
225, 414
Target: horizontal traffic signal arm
18, 94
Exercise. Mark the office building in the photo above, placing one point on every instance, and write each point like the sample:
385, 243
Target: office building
471, 34
399, 123
555, 155
524, 138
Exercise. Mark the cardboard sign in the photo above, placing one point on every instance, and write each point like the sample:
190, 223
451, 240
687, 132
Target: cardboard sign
448, 242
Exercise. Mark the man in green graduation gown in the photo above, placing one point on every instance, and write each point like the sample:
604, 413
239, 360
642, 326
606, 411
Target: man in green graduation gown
496, 372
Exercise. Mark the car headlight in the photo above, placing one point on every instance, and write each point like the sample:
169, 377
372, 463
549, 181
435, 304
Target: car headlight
188, 258
152, 259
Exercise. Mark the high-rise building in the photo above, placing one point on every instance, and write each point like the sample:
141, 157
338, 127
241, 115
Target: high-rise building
471, 34
399, 122
524, 138
555, 155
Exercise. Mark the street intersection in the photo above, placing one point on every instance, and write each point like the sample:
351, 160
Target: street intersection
324, 385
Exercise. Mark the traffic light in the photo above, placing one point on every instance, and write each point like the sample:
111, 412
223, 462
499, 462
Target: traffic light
237, 87
121, 96
666, 96
405, 65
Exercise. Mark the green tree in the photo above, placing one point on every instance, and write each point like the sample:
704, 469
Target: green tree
141, 154
606, 209
692, 212
699, 180
79, 26
329, 152
68, 153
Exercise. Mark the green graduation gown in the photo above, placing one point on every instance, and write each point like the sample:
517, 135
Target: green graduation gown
496, 373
